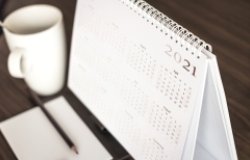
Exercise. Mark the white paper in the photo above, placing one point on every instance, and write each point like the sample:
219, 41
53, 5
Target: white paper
215, 134
32, 136
135, 79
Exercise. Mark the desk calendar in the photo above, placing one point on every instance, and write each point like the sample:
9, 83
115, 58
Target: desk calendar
153, 84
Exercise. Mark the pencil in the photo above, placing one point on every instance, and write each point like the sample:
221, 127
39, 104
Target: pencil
53, 122
12, 153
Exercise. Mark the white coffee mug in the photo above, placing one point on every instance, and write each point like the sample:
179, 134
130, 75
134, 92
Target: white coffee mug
36, 39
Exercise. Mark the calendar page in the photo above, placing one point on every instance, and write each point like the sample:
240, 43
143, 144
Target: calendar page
136, 76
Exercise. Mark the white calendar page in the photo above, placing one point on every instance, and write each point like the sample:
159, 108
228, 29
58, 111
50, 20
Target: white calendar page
142, 84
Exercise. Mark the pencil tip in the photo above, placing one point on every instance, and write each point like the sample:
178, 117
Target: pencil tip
75, 149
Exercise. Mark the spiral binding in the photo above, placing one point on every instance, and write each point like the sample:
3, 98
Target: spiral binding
182, 32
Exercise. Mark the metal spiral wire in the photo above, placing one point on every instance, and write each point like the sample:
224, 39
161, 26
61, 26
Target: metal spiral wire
182, 32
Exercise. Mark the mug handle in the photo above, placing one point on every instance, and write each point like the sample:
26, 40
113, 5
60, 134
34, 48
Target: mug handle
15, 63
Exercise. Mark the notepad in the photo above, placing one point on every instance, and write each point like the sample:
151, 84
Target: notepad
152, 83
32, 137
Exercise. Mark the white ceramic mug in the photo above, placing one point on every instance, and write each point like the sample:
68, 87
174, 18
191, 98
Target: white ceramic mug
36, 39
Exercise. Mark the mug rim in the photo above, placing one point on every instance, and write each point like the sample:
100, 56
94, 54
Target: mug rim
60, 17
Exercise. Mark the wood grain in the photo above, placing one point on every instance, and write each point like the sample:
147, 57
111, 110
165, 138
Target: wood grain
224, 24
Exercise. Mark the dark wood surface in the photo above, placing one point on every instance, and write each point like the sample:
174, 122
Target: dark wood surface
225, 24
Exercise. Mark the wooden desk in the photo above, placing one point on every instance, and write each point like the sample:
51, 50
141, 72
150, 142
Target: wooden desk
224, 24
